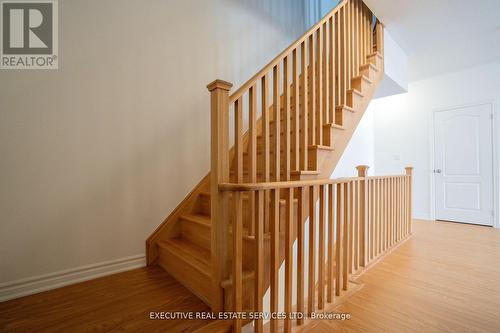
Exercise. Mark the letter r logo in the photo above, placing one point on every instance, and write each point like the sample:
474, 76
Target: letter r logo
27, 27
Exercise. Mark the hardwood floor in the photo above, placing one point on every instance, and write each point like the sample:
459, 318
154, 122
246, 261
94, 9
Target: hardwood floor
445, 278
116, 303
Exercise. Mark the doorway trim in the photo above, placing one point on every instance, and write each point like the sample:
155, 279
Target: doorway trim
495, 107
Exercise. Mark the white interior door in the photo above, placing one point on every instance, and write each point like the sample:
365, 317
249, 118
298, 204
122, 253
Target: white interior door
464, 164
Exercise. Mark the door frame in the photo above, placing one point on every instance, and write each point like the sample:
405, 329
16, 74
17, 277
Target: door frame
495, 125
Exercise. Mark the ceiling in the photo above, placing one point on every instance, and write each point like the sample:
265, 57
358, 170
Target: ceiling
441, 36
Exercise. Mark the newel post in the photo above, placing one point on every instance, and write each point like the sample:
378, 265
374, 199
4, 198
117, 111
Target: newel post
363, 217
219, 173
409, 193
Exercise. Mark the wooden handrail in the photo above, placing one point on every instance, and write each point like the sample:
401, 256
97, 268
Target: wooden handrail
247, 187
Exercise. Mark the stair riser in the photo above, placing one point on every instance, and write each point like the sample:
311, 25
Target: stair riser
354, 100
196, 233
361, 85
375, 60
331, 133
183, 272
369, 72
202, 205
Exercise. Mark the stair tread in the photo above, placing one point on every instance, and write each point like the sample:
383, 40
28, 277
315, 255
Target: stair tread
197, 218
335, 126
363, 77
321, 147
191, 253
355, 91
345, 107
370, 65
376, 53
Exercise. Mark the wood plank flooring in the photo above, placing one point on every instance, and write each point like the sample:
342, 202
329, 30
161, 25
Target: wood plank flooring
116, 303
445, 278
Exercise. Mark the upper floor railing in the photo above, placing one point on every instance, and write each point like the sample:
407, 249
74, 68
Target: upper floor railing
359, 219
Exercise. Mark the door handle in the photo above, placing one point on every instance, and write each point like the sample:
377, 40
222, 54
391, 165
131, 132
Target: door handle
437, 170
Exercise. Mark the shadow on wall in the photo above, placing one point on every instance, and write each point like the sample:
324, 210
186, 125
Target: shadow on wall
298, 16
288, 16
314, 10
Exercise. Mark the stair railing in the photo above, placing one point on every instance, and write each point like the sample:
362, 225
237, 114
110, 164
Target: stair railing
359, 219
284, 109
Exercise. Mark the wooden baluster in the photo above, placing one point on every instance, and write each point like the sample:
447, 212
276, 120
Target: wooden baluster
345, 241
252, 151
394, 211
238, 139
287, 122
266, 144
276, 112
368, 32
409, 174
371, 188
338, 57
259, 261
319, 87
321, 248
312, 93
343, 64
339, 239
363, 33
358, 36
312, 250
377, 217
389, 212
237, 259
363, 215
384, 216
219, 163
403, 208
391, 215
300, 253
303, 108
331, 72
349, 44
356, 227
350, 251
325, 73
275, 255
289, 239
296, 113
330, 244
400, 210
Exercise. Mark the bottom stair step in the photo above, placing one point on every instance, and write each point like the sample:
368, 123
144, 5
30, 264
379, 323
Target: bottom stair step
189, 264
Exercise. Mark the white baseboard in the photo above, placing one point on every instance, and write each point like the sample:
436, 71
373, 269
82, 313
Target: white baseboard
36, 284
422, 215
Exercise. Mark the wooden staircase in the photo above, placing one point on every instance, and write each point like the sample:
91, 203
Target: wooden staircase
320, 88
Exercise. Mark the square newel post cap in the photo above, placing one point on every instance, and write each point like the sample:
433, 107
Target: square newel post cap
362, 170
409, 170
220, 84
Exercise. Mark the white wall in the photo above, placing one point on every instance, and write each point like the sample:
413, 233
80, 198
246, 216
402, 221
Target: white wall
395, 79
360, 149
402, 122
96, 154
